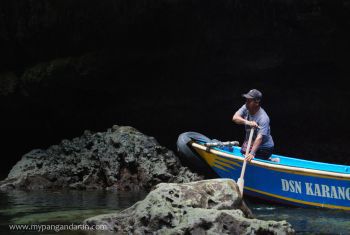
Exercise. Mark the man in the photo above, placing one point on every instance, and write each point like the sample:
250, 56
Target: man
252, 115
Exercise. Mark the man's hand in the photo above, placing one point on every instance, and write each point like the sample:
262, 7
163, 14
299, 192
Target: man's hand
252, 124
249, 157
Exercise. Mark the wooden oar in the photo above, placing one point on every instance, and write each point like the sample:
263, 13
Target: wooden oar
240, 181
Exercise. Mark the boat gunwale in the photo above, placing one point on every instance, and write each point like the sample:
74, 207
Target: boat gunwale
276, 166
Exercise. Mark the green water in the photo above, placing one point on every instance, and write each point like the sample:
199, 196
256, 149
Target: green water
305, 220
59, 208
72, 207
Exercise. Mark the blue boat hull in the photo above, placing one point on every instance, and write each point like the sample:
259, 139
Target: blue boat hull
281, 183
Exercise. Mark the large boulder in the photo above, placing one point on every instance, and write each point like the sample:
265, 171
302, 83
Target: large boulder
121, 158
203, 207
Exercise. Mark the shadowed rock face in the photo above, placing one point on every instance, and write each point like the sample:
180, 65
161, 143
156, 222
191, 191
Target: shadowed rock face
208, 206
121, 158
257, 36
88, 58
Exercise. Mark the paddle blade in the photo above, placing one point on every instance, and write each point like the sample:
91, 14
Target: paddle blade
240, 183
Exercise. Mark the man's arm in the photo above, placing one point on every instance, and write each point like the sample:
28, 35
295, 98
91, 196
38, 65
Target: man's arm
262, 131
238, 119
255, 147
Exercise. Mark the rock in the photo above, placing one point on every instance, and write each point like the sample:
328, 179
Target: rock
121, 158
202, 207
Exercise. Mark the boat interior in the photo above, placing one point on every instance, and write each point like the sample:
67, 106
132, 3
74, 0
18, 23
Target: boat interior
292, 161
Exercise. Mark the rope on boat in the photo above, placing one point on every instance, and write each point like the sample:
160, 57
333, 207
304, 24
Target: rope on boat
221, 144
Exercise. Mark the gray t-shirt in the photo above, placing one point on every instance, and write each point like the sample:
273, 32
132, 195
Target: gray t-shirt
263, 120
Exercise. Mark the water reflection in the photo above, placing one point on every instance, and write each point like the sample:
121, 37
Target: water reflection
66, 207
60, 207
70, 199
305, 220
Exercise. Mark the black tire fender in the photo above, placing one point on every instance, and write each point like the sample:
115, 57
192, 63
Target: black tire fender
188, 155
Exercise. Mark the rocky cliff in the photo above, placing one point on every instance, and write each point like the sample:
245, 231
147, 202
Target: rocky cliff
202, 207
121, 158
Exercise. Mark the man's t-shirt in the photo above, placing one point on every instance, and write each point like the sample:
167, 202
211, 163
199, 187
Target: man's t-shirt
263, 121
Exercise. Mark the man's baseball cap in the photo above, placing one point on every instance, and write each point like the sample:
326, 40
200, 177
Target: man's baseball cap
253, 94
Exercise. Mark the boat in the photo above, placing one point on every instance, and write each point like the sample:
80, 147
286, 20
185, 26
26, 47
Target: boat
289, 180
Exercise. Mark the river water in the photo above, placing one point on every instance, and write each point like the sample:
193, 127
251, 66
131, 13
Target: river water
67, 207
